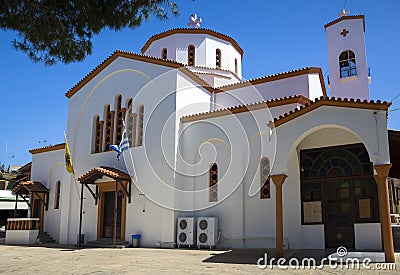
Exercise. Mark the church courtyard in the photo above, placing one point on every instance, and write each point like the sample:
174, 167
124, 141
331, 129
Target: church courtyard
70, 260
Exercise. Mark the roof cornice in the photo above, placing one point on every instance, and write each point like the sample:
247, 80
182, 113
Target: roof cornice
192, 31
274, 77
323, 101
47, 149
348, 17
297, 99
111, 58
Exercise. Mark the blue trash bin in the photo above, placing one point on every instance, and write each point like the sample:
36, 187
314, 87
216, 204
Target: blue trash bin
135, 240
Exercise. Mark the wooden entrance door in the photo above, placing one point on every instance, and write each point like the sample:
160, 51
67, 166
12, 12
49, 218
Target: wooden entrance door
108, 216
339, 218
37, 211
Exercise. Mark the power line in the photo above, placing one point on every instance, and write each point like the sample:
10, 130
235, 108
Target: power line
397, 109
395, 97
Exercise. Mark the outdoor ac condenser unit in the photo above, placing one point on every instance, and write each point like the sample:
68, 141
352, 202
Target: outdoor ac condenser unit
207, 231
186, 231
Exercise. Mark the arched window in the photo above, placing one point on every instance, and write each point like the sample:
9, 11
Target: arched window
109, 132
129, 104
236, 66
265, 191
347, 63
335, 178
213, 183
98, 135
218, 58
130, 123
191, 55
140, 125
164, 53
57, 195
119, 119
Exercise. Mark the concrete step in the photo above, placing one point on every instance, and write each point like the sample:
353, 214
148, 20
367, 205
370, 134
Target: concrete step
44, 237
106, 243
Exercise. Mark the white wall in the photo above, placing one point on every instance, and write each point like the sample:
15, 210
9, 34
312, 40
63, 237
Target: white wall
206, 46
48, 168
130, 79
245, 219
307, 85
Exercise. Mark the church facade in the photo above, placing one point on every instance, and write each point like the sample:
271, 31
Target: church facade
274, 159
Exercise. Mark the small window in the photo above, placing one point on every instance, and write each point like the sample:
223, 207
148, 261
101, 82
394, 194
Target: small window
98, 135
140, 125
57, 195
164, 53
191, 55
218, 58
347, 63
213, 183
109, 131
265, 191
236, 66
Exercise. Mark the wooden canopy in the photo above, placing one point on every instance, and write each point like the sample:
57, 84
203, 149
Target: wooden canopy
27, 187
98, 172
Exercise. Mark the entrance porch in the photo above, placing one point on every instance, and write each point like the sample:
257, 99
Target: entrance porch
111, 192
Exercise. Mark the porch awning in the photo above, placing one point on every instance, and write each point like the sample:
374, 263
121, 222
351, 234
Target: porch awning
394, 148
98, 172
27, 187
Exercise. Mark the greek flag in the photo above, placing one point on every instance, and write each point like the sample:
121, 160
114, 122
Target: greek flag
123, 145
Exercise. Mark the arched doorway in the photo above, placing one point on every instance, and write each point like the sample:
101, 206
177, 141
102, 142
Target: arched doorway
338, 190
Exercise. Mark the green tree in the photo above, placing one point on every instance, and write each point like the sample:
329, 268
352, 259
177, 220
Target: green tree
49, 31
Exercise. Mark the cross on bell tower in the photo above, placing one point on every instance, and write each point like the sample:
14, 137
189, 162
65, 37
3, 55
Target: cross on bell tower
344, 33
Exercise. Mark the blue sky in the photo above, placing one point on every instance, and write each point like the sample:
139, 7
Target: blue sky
276, 36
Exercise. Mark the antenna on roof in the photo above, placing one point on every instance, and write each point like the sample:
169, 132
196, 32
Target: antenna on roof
344, 11
195, 21
44, 142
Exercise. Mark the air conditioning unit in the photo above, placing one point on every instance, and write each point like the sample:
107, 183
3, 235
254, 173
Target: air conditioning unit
207, 231
186, 231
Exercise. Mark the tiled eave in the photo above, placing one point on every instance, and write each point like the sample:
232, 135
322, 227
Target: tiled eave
298, 99
47, 148
323, 101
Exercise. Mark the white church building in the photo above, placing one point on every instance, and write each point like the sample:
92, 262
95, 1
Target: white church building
215, 160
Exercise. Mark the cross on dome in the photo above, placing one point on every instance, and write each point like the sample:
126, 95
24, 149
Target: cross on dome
194, 21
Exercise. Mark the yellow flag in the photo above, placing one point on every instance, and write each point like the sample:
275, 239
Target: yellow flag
68, 159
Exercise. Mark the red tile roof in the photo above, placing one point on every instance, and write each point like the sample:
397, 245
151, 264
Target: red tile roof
47, 148
192, 31
299, 99
98, 172
323, 101
26, 187
274, 77
348, 17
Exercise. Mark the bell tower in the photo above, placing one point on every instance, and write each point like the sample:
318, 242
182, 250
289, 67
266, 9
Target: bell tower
348, 71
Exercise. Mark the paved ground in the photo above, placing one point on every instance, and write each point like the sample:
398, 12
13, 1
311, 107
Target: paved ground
70, 260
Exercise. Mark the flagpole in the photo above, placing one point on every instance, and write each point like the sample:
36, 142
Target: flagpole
80, 217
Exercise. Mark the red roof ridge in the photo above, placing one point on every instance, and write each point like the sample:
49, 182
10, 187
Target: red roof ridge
191, 30
112, 57
272, 77
347, 17
107, 171
300, 99
47, 148
325, 101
